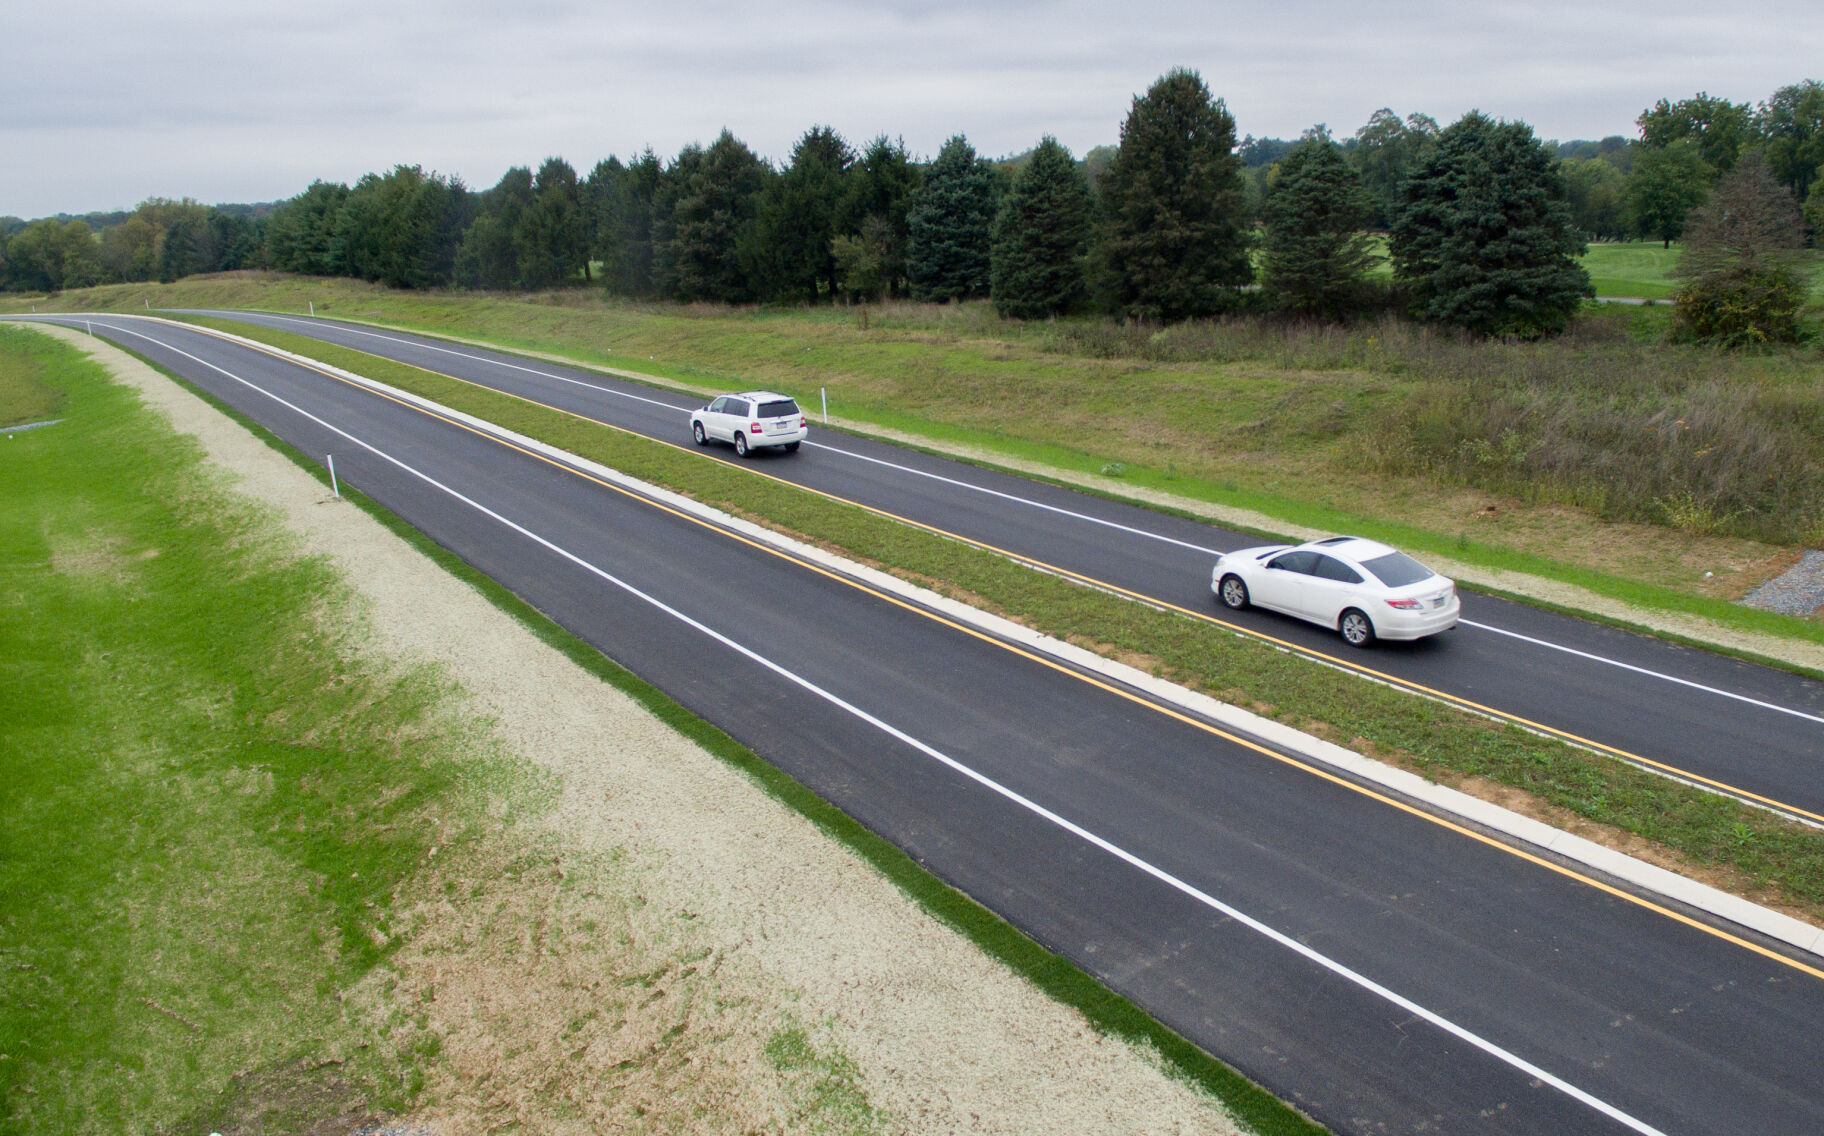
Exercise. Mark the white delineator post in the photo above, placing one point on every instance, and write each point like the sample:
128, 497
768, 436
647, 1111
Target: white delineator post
825, 392
333, 487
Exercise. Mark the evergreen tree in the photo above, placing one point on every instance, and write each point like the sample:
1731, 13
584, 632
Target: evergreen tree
1484, 238
301, 234
1316, 256
948, 226
788, 254
1173, 245
1668, 182
550, 240
402, 229
1739, 269
621, 200
489, 254
881, 186
1040, 235
715, 207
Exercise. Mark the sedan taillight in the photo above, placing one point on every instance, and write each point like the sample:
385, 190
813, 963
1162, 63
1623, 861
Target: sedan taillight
1405, 605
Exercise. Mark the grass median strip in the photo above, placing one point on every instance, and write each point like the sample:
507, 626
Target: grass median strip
1746, 850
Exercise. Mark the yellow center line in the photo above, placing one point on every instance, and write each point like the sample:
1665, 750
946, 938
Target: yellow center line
1053, 664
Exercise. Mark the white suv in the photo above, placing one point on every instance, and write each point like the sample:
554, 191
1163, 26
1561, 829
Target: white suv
750, 421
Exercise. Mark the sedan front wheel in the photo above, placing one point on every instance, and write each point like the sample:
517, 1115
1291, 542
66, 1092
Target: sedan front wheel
1234, 593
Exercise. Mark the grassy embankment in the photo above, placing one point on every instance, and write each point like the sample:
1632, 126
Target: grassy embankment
211, 801
222, 815
1755, 853
1662, 477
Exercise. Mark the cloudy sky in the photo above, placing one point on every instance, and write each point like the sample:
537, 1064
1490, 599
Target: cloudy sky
105, 103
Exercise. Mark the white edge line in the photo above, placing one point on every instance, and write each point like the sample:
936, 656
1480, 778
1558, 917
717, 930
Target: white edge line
1643, 670
1016, 498
1187, 889
1649, 877
814, 445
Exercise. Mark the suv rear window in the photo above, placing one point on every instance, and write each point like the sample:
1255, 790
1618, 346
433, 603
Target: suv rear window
1396, 569
778, 409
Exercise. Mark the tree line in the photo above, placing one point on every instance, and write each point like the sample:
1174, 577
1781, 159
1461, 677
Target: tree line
1482, 221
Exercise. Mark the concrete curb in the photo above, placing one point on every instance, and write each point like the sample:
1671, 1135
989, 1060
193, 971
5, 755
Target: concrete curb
1620, 866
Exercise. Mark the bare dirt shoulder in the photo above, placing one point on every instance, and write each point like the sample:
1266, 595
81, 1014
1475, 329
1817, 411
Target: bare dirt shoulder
668, 948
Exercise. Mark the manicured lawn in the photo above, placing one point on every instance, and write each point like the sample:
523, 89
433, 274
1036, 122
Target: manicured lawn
1644, 268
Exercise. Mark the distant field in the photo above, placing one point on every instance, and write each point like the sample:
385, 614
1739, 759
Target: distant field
1644, 268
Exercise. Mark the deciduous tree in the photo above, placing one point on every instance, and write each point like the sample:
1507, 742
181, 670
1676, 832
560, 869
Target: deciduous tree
1484, 238
1719, 129
1384, 151
1598, 194
1173, 243
1668, 182
1792, 122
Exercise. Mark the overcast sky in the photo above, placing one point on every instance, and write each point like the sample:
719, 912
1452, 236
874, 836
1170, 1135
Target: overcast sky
107, 103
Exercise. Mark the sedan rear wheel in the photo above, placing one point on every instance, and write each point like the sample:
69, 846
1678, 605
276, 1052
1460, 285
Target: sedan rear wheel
1234, 593
1356, 628
741, 444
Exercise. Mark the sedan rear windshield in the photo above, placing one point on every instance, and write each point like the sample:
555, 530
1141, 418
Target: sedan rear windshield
1396, 569
778, 409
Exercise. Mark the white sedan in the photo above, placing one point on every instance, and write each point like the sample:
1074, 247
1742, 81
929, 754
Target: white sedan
1362, 588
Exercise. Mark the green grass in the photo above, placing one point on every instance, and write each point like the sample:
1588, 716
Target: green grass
25, 395
211, 801
1709, 830
1644, 269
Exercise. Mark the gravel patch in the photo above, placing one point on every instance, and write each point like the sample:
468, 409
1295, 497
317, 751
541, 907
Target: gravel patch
1797, 591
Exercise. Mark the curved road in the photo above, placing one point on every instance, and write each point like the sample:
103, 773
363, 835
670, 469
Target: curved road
1382, 969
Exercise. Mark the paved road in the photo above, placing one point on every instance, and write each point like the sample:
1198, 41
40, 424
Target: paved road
1383, 970
1723, 722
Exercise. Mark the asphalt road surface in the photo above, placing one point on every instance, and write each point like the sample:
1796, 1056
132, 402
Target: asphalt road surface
1383, 969
1731, 725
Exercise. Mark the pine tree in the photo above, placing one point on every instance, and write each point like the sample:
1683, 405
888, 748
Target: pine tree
1173, 243
948, 226
881, 186
1040, 235
1316, 257
1484, 238
788, 254
715, 207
